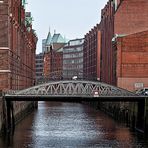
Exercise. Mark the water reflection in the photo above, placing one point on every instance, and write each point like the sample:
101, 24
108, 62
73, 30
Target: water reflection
70, 125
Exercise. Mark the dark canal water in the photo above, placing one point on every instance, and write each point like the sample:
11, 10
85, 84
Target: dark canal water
71, 125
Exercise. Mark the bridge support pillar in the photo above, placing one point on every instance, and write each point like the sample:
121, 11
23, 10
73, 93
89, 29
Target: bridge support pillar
35, 104
10, 121
140, 124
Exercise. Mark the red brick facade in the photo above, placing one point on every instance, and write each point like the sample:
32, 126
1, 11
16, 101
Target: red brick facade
53, 65
124, 18
107, 53
131, 17
91, 54
17, 47
132, 61
47, 64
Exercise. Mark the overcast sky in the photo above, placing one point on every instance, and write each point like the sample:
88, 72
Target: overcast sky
72, 18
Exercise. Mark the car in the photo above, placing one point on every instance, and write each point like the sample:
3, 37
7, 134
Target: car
96, 94
143, 91
74, 78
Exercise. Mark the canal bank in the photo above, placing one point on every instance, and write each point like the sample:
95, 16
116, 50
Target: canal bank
132, 114
13, 112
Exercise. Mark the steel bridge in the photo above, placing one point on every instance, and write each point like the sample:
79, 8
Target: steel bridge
73, 90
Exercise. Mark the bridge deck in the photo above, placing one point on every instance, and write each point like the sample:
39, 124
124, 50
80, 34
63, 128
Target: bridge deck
73, 90
76, 99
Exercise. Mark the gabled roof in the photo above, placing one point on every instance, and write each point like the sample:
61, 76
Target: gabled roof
57, 38
48, 40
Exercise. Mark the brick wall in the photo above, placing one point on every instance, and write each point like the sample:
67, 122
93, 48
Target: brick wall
122, 18
107, 53
57, 65
47, 64
20, 45
132, 60
4, 25
98, 54
53, 65
131, 17
91, 54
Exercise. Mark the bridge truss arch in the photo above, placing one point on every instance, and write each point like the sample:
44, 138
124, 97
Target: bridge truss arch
73, 88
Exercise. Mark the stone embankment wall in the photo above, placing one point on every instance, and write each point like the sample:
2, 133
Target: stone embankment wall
132, 114
20, 110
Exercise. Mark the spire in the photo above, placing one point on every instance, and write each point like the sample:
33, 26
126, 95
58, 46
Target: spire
48, 39
54, 31
49, 28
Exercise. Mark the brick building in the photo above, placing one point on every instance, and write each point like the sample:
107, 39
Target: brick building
17, 46
73, 59
132, 61
107, 53
91, 54
134, 14
126, 20
53, 56
53, 64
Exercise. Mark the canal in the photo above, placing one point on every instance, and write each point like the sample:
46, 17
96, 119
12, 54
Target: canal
71, 125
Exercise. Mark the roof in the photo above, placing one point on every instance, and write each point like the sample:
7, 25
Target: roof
48, 40
60, 50
57, 38
56, 41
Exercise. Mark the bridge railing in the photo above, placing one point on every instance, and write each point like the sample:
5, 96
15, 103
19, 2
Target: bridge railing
73, 88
